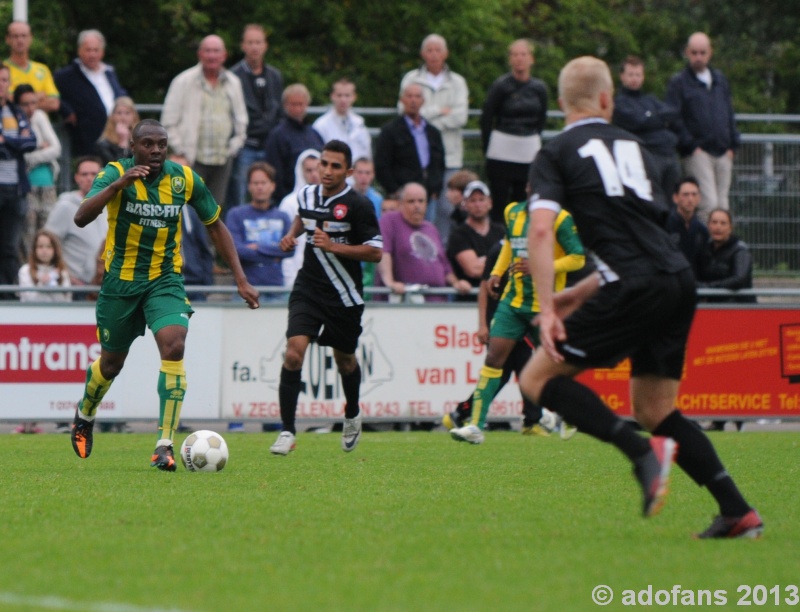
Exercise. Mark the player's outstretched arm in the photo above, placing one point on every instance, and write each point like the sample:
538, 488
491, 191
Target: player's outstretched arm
223, 242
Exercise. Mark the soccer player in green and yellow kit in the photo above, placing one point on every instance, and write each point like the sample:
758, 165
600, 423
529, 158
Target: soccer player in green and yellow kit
518, 305
143, 285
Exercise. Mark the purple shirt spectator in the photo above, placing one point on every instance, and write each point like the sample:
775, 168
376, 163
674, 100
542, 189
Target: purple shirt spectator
418, 256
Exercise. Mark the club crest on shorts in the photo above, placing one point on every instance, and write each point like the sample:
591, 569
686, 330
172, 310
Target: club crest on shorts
339, 211
178, 184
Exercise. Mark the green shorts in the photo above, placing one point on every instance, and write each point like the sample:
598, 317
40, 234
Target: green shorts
512, 323
125, 307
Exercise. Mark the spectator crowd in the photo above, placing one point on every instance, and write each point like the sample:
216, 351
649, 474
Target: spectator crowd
247, 134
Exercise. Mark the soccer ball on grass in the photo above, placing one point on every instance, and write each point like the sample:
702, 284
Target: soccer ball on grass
204, 451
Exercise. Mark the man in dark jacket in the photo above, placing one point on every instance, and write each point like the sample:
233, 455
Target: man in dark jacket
290, 138
88, 89
651, 120
683, 226
262, 86
409, 149
708, 136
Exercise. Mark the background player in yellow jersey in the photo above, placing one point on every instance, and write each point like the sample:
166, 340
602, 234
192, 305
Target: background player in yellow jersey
517, 307
143, 284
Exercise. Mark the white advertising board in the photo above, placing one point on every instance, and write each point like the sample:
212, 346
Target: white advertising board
417, 363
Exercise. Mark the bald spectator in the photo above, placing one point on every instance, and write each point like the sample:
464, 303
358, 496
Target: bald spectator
291, 137
206, 118
409, 149
446, 108
88, 88
412, 248
25, 70
708, 136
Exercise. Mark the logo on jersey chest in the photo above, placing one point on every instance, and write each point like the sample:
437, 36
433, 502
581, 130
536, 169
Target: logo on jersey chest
178, 184
331, 227
339, 211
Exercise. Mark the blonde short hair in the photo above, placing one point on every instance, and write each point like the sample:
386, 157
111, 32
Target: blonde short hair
581, 81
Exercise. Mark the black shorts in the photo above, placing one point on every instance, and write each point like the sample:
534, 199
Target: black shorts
645, 318
336, 326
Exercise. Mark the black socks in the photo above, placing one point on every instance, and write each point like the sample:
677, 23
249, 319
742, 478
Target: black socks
580, 406
288, 392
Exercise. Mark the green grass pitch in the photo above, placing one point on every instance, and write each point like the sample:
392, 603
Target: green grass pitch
409, 521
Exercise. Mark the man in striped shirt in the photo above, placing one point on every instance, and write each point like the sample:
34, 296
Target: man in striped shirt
143, 285
327, 301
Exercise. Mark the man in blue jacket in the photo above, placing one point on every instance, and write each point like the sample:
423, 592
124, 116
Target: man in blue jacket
651, 120
88, 88
708, 136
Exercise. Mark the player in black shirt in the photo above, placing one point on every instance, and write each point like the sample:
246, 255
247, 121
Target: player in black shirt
639, 304
327, 300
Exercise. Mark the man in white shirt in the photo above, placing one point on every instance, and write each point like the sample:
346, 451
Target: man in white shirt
341, 123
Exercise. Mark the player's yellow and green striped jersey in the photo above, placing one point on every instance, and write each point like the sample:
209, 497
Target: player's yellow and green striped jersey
568, 255
144, 220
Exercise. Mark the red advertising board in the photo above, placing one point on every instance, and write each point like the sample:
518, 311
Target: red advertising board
739, 363
33, 353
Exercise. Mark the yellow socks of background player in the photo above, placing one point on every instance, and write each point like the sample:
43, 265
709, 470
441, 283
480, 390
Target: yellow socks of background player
96, 387
484, 393
171, 391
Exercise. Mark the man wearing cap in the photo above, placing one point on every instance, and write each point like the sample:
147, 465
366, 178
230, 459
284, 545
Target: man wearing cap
470, 242
518, 306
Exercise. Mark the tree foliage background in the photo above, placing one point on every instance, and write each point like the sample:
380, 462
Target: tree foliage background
375, 43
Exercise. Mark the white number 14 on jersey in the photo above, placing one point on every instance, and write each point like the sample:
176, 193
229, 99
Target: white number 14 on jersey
624, 167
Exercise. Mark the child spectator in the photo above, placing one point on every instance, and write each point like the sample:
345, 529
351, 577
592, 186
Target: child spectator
45, 268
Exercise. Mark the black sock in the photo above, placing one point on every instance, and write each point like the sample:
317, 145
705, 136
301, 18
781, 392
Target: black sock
531, 413
464, 409
581, 407
288, 392
697, 457
351, 383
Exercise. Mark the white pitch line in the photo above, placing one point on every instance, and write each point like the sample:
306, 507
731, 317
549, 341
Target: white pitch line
51, 602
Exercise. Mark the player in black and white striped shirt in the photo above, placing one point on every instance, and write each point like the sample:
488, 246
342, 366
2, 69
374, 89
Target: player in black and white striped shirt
327, 300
